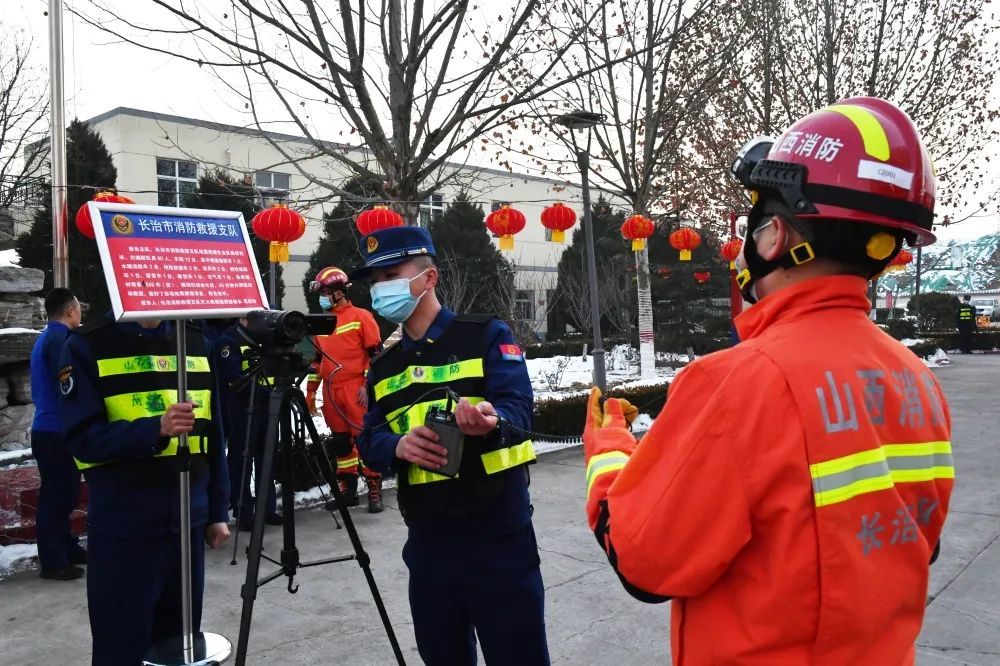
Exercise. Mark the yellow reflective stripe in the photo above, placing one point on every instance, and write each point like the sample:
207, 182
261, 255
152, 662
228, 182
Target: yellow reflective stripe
348, 463
353, 326
429, 374
512, 456
132, 406
872, 133
127, 365
196, 443
416, 414
841, 479
417, 476
603, 463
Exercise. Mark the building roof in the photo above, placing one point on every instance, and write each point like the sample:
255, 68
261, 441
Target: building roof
279, 136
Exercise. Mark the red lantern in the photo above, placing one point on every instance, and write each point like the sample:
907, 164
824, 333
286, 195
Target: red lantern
731, 250
899, 262
83, 222
504, 223
280, 225
559, 218
685, 239
702, 277
637, 229
379, 217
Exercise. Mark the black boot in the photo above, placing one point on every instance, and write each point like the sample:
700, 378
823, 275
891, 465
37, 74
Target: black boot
348, 491
374, 494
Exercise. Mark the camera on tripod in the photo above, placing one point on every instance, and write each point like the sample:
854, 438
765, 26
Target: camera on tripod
275, 334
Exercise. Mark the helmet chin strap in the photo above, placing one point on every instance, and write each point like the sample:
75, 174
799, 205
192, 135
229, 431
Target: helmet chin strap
756, 266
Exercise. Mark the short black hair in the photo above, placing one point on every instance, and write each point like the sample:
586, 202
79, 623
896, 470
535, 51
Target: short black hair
57, 300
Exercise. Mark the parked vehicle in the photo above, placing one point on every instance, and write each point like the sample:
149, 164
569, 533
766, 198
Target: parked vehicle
987, 307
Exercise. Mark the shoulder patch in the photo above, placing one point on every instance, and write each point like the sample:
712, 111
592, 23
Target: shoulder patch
511, 353
66, 383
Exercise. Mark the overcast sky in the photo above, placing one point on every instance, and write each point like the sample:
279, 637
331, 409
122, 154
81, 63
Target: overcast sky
102, 74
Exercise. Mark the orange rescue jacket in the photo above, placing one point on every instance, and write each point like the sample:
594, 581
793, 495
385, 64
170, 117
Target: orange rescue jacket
790, 495
354, 339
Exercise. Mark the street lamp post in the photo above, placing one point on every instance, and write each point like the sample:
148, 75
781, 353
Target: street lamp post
582, 121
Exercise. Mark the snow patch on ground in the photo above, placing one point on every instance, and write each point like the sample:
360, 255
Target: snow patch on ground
16, 454
17, 557
566, 376
909, 342
937, 359
12, 331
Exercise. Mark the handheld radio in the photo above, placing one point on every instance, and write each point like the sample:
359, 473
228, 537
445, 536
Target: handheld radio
442, 422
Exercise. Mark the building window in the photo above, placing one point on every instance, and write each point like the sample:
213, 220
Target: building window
174, 180
272, 186
524, 305
431, 209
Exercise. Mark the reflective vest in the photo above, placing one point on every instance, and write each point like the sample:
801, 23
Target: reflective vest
137, 378
399, 380
966, 314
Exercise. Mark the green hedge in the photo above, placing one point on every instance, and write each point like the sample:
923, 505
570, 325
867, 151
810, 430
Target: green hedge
982, 340
564, 417
571, 346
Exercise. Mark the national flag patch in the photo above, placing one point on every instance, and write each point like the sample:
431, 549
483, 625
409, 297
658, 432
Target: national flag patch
511, 353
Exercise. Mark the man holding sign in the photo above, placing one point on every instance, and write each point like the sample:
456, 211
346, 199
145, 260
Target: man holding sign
119, 409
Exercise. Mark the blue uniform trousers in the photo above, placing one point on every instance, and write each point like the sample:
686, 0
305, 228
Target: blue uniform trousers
134, 593
57, 497
487, 588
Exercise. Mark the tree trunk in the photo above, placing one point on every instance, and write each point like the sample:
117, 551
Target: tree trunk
647, 350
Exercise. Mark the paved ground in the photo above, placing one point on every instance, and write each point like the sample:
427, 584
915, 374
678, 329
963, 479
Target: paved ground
590, 619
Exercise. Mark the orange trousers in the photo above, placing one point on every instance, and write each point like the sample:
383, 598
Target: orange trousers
344, 415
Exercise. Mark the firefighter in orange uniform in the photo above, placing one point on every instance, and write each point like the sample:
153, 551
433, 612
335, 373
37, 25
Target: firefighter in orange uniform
341, 365
791, 494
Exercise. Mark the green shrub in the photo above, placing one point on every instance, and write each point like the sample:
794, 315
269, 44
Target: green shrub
565, 417
901, 329
937, 310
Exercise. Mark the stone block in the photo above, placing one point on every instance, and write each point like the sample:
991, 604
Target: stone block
15, 427
4, 391
19, 280
18, 310
19, 376
16, 347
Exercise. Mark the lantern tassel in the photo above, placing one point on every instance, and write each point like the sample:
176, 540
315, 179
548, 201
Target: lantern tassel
558, 236
506, 243
278, 252
638, 244
685, 255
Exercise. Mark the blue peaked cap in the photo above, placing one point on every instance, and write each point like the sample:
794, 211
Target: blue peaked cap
388, 247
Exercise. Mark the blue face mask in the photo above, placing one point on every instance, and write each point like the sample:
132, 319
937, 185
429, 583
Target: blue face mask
392, 299
325, 302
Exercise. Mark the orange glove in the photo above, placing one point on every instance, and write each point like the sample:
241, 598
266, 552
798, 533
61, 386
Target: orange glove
607, 445
311, 402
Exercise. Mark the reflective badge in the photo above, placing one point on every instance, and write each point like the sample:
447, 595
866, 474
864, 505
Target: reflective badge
511, 353
225, 352
66, 382
372, 244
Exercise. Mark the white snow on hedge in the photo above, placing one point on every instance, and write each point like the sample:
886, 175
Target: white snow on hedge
16, 557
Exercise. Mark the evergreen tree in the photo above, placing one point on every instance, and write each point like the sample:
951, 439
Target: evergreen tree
89, 169
338, 246
475, 277
220, 191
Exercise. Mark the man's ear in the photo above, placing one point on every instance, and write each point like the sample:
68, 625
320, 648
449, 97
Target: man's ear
774, 241
432, 277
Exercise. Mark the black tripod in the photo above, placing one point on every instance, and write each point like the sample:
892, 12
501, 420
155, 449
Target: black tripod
287, 413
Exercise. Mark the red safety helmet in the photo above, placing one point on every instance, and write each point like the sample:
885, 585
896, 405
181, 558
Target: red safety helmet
860, 160
330, 278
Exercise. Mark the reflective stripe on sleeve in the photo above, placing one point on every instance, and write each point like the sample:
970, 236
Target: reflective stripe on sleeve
507, 458
604, 463
352, 326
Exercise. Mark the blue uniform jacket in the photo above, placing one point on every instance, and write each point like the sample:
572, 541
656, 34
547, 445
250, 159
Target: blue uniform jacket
508, 389
118, 506
233, 405
45, 357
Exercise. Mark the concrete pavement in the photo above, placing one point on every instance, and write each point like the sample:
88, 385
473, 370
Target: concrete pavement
591, 620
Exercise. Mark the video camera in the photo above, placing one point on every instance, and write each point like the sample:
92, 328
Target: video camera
274, 336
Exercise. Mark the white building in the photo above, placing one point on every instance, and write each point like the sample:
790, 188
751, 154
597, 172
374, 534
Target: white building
159, 157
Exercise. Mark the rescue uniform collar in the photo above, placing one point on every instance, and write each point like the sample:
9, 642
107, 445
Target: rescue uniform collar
434, 332
820, 293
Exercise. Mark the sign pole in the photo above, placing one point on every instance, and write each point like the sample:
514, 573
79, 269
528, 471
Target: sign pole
184, 455
57, 141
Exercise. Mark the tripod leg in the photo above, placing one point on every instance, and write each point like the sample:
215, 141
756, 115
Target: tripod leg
359, 550
289, 552
245, 473
249, 590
